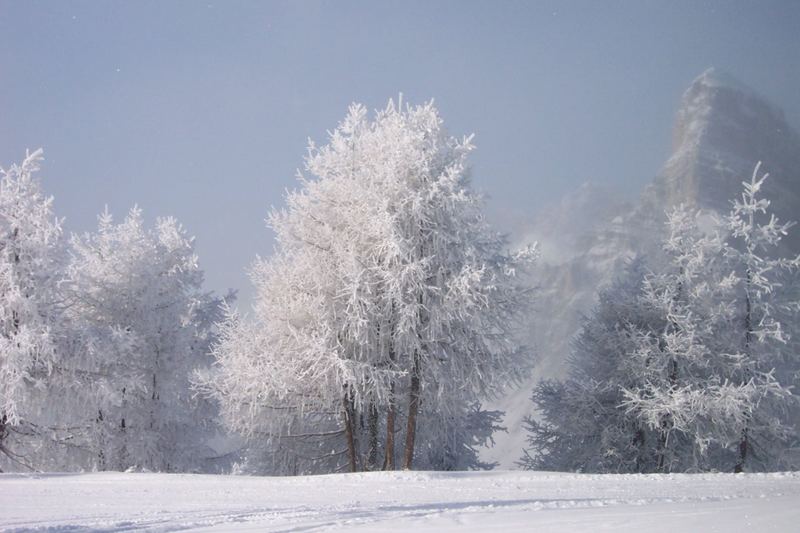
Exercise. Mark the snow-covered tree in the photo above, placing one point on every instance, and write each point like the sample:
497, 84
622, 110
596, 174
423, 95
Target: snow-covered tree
144, 328
684, 390
580, 424
766, 307
389, 297
35, 385
687, 368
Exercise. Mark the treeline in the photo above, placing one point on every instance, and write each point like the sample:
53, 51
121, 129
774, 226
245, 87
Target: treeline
383, 320
388, 313
99, 334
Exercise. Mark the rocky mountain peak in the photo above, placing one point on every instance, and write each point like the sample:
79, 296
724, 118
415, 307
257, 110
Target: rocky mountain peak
723, 128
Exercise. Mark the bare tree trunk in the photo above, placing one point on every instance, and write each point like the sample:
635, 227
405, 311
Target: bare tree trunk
122, 459
413, 393
3, 433
372, 454
349, 427
388, 458
413, 408
101, 452
666, 422
638, 442
662, 445
391, 414
3, 429
744, 445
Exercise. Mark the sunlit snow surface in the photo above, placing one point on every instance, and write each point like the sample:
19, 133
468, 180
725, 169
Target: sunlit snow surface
403, 501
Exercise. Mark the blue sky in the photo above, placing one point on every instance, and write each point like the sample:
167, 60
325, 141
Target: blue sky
202, 110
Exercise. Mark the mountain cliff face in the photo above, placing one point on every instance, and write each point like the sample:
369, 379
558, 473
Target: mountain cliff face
722, 130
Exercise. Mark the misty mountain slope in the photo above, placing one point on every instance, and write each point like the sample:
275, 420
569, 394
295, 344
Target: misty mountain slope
722, 129
583, 242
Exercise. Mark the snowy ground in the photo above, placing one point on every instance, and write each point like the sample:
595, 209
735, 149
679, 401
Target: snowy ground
404, 501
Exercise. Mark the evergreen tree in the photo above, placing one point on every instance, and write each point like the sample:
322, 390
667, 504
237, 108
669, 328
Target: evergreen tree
580, 424
766, 306
144, 328
688, 366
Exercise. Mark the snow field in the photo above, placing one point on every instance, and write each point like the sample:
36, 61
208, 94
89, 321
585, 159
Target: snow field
401, 501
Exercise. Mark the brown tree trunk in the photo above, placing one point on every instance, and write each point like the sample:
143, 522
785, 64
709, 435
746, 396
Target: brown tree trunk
349, 426
388, 458
413, 408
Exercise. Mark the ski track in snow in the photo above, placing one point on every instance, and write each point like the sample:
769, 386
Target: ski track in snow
400, 501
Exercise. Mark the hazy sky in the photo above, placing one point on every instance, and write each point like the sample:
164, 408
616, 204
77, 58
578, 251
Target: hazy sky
202, 110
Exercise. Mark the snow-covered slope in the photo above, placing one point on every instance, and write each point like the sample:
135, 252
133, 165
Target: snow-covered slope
401, 501
722, 129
